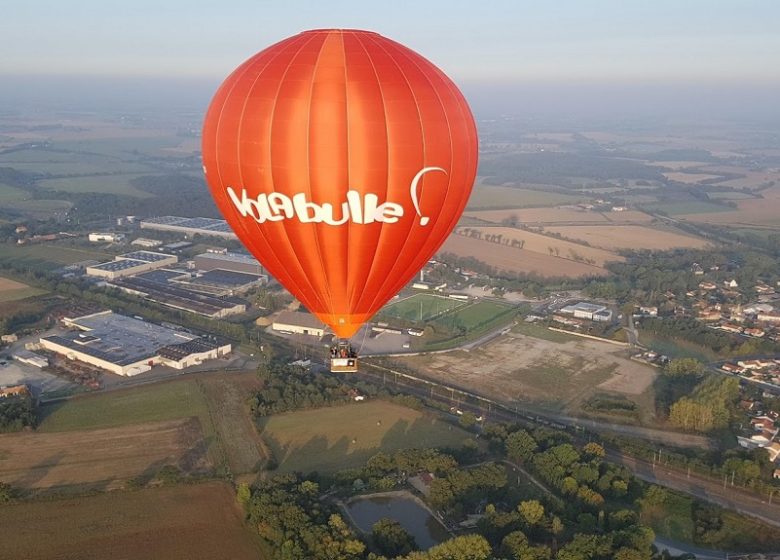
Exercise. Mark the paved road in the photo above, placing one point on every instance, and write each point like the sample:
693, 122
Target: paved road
727, 496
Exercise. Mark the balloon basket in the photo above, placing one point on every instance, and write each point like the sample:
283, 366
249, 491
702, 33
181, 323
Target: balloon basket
343, 359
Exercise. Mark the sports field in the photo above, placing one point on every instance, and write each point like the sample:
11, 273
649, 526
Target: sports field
420, 307
474, 315
196, 522
330, 439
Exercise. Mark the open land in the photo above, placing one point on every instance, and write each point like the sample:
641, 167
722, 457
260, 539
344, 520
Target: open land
104, 458
614, 237
557, 372
490, 196
11, 290
194, 522
50, 255
539, 243
755, 211
216, 403
512, 259
330, 439
564, 215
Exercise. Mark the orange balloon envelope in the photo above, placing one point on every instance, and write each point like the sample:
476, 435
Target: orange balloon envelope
342, 160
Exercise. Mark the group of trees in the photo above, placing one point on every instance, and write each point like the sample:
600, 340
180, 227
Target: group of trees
287, 387
16, 413
693, 330
709, 407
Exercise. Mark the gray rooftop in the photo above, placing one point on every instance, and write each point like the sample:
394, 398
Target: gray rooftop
119, 339
115, 266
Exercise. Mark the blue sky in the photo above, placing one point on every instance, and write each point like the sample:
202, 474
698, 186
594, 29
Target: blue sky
499, 41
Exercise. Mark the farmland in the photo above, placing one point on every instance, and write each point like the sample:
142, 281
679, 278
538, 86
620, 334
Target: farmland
564, 215
543, 244
216, 402
420, 307
110, 184
488, 196
196, 522
10, 290
754, 211
329, 439
48, 256
104, 458
514, 260
613, 237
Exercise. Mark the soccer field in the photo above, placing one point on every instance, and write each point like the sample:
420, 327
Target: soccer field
420, 307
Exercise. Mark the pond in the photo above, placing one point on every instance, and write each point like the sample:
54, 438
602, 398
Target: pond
401, 507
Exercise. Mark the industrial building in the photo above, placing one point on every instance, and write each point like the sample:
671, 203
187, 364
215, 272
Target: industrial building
236, 262
589, 311
130, 264
146, 242
190, 226
106, 237
128, 346
299, 323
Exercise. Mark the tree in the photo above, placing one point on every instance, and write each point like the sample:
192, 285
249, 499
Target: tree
532, 511
467, 547
391, 539
467, 420
520, 446
6, 493
594, 449
679, 367
243, 493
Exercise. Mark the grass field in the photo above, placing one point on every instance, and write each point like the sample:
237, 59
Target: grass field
9, 194
514, 260
110, 184
673, 520
48, 256
218, 401
101, 459
614, 237
688, 207
420, 307
193, 522
755, 211
488, 196
11, 290
474, 315
543, 216
543, 244
329, 439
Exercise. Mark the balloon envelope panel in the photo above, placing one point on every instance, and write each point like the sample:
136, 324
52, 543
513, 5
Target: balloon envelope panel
342, 160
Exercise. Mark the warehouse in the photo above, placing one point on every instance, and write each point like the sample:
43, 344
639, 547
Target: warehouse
190, 226
299, 323
127, 346
130, 264
234, 262
589, 311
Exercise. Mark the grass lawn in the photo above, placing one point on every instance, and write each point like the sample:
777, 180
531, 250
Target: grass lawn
673, 519
419, 307
677, 348
147, 403
330, 439
477, 314
540, 331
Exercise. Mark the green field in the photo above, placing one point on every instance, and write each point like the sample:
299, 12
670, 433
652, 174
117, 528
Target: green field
148, 403
420, 307
688, 207
475, 315
540, 331
673, 519
17, 295
330, 439
487, 197
48, 256
109, 184
9, 194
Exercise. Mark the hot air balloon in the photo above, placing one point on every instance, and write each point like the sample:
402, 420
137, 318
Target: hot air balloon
342, 160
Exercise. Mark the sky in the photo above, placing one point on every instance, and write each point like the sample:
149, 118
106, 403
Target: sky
494, 45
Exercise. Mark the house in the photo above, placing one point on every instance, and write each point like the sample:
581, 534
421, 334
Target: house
422, 482
774, 451
776, 474
299, 323
355, 395
648, 311
731, 368
707, 286
709, 315
730, 327
762, 423
731, 283
755, 332
9, 338
769, 317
